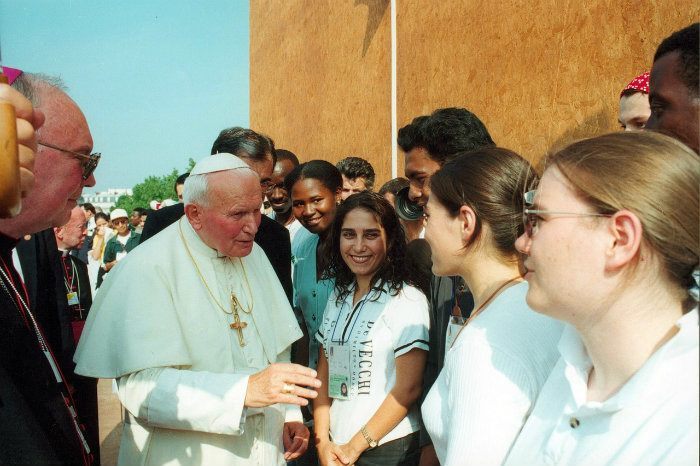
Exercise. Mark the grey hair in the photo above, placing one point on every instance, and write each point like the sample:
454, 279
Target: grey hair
196, 190
28, 85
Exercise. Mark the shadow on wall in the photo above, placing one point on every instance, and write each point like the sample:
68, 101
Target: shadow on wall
375, 13
588, 128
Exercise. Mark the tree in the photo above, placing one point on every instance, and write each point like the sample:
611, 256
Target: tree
156, 188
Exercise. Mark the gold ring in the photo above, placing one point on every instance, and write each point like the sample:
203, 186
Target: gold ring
288, 389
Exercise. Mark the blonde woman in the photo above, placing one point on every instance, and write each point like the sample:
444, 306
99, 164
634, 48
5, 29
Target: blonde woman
612, 244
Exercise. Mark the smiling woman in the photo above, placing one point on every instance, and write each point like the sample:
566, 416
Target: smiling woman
374, 340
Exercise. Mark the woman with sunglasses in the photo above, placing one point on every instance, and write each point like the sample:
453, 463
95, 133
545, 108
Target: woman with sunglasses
498, 359
612, 244
374, 339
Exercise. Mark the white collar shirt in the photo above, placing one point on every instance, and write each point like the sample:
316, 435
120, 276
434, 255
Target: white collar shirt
652, 419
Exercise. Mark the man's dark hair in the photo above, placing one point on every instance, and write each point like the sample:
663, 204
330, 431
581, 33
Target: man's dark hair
393, 186
449, 131
181, 179
357, 167
686, 42
410, 136
89, 207
284, 154
244, 142
140, 210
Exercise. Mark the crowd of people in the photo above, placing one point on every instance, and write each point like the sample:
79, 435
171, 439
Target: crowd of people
481, 310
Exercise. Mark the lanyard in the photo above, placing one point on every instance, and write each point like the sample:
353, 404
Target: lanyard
23, 308
69, 286
478, 310
356, 311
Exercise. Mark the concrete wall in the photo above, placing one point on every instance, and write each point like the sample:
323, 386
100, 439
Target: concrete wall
539, 73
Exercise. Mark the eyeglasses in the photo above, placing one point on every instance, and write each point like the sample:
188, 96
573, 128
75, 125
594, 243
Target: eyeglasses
530, 217
89, 162
269, 186
119, 221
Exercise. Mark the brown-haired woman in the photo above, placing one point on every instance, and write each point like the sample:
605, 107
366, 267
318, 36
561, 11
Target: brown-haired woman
612, 242
499, 359
374, 339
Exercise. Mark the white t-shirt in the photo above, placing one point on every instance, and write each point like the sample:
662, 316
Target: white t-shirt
379, 329
122, 240
652, 419
490, 381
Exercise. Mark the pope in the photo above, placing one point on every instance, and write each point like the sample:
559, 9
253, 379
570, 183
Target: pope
196, 329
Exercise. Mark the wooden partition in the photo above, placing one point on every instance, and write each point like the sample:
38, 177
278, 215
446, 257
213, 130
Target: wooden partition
539, 73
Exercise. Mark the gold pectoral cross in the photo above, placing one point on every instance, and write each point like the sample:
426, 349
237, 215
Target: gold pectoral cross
237, 325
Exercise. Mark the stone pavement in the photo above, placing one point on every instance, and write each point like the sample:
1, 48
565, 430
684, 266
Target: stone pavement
110, 418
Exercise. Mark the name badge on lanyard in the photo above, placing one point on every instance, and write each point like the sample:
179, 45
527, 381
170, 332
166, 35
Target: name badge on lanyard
72, 298
339, 371
453, 328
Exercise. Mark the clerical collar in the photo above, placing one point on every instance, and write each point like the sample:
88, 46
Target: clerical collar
195, 242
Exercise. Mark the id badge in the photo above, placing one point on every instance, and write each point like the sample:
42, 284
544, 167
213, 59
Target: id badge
453, 328
339, 372
72, 298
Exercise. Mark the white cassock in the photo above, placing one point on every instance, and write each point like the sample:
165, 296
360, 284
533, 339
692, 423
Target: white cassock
181, 372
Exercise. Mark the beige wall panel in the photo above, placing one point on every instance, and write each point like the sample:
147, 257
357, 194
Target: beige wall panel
320, 78
538, 73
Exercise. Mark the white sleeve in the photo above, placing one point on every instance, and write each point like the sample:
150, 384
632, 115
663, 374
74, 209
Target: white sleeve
489, 400
409, 321
186, 400
292, 413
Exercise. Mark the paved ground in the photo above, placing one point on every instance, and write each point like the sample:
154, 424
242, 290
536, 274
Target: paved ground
110, 422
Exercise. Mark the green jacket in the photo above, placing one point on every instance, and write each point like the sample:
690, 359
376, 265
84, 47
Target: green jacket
113, 246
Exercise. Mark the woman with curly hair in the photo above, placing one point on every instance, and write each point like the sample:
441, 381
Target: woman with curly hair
374, 338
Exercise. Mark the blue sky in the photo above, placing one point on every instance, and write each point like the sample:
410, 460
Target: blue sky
156, 79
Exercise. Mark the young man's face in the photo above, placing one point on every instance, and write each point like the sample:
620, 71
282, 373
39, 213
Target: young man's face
419, 168
135, 218
276, 193
675, 110
352, 186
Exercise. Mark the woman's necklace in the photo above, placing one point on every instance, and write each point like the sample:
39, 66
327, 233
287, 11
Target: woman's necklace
483, 305
236, 306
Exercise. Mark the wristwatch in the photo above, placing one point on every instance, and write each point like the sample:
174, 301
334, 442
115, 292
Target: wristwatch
372, 443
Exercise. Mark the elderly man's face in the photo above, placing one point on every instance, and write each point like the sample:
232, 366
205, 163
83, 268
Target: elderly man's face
674, 109
230, 219
59, 182
72, 234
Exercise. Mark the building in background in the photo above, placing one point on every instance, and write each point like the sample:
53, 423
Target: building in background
105, 200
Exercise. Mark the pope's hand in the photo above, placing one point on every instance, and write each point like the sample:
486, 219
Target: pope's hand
295, 439
281, 383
